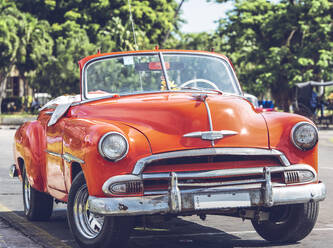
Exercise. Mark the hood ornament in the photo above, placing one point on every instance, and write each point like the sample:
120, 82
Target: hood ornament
210, 135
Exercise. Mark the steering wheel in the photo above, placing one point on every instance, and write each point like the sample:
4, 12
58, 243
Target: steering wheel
210, 83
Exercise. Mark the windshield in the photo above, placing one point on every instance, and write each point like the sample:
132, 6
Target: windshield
130, 74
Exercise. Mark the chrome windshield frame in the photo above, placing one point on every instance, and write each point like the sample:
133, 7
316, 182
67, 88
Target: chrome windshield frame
84, 90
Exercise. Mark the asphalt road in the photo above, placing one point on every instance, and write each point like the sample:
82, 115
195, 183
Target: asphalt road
191, 232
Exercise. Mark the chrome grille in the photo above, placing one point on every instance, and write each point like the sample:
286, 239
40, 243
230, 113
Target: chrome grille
134, 187
291, 177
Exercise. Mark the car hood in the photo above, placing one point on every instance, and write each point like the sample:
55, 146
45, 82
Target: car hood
165, 118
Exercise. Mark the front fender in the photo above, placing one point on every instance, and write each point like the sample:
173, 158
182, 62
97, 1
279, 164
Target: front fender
81, 139
279, 127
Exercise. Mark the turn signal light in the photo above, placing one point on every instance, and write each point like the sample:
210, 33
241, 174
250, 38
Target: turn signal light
132, 187
291, 177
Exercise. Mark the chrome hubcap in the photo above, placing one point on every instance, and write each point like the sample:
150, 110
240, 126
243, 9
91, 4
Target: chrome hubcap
87, 223
27, 193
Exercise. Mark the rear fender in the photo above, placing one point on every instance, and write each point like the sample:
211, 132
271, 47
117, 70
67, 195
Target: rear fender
29, 151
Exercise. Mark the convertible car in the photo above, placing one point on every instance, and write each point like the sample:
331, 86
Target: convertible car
165, 133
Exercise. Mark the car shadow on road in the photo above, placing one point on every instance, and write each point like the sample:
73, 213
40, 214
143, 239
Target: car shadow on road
175, 233
179, 233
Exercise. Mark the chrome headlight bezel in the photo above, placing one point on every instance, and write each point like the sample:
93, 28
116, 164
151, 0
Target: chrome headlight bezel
101, 147
299, 144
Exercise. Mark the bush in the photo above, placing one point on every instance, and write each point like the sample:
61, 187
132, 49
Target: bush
11, 104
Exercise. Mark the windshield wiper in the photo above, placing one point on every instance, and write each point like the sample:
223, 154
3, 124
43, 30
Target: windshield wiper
202, 89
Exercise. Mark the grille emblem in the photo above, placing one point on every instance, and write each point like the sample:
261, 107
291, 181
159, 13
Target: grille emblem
210, 135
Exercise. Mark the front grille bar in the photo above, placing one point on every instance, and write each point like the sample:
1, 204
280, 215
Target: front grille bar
142, 163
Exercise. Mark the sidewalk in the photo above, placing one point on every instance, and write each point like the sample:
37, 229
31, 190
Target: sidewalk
11, 238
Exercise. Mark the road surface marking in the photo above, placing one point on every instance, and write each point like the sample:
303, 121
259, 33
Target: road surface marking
2, 242
34, 232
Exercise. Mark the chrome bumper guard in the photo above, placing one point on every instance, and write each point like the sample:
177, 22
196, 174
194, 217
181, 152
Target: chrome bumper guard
177, 202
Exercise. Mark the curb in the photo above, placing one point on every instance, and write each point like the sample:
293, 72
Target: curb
15, 121
9, 127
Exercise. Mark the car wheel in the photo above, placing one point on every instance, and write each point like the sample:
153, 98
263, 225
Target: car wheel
91, 230
288, 223
38, 206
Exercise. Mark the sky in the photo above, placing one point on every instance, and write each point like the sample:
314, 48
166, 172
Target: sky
200, 15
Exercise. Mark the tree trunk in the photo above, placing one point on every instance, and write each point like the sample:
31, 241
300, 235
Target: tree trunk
3, 86
282, 95
3, 83
25, 92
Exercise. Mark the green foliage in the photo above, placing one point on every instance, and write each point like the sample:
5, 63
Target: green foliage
9, 39
195, 41
60, 74
44, 39
152, 18
35, 44
275, 45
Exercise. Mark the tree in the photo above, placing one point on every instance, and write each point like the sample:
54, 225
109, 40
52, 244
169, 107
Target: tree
154, 18
60, 74
24, 43
35, 47
196, 41
275, 45
78, 28
9, 43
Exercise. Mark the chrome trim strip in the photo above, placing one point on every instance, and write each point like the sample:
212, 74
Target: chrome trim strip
67, 157
160, 55
140, 164
70, 158
54, 154
209, 119
218, 184
162, 192
231, 172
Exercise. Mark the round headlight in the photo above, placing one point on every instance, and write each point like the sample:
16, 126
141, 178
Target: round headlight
304, 135
113, 146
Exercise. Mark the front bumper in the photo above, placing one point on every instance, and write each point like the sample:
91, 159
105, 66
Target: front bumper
217, 198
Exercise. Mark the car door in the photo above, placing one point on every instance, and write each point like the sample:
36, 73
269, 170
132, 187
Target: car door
54, 156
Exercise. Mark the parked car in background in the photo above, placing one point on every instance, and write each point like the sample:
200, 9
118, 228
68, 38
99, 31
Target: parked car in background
166, 133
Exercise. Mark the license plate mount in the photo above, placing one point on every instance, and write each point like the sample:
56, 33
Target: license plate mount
222, 200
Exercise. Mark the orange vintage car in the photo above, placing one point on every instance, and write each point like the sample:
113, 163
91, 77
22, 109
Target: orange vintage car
167, 133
